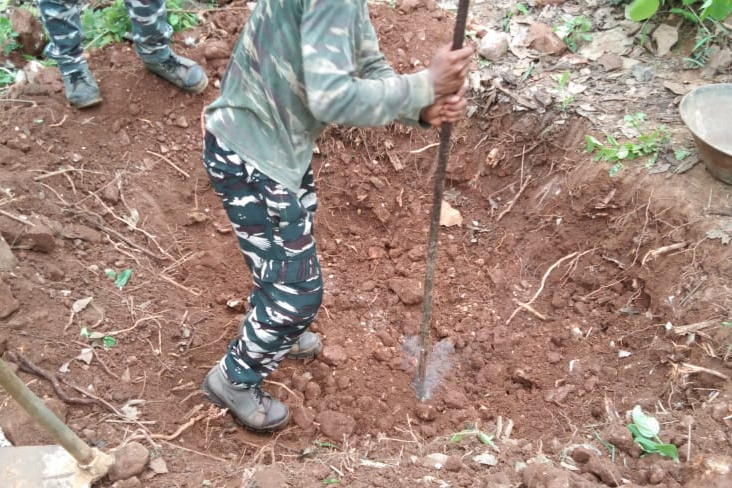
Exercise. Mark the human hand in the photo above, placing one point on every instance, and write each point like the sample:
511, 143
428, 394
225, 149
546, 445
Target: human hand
446, 109
448, 69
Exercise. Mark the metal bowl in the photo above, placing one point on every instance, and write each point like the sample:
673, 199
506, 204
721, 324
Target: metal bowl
707, 112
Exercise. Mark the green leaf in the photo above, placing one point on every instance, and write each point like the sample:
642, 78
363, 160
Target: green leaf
109, 341
331, 481
639, 10
486, 439
324, 444
456, 438
685, 14
111, 274
122, 278
84, 333
522, 8
647, 425
718, 9
668, 450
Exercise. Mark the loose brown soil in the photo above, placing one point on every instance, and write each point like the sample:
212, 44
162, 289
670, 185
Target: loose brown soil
586, 252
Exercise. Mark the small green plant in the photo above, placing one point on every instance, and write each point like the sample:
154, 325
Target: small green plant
111, 23
471, 431
7, 77
645, 430
648, 143
573, 31
519, 8
8, 36
639, 10
121, 278
565, 98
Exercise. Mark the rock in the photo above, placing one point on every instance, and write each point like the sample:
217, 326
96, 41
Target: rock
303, 417
553, 357
542, 38
498, 277
493, 45
312, 391
181, 121
8, 303
129, 460
611, 61
719, 59
424, 412
216, 50
21, 430
709, 471
133, 482
265, 477
642, 73
539, 475
78, 231
455, 399
30, 31
8, 261
604, 469
453, 464
436, 460
334, 356
559, 394
614, 41
111, 193
449, 216
408, 6
665, 36
409, 291
335, 424
619, 436
486, 459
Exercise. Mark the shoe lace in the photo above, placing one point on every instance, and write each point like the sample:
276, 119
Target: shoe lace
77, 78
170, 64
259, 394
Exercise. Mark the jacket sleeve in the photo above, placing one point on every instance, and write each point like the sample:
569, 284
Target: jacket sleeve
344, 89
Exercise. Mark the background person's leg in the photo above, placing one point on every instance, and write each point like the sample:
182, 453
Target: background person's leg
151, 35
62, 23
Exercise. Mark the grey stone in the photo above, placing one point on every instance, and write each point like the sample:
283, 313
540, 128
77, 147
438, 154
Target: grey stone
129, 460
493, 45
8, 261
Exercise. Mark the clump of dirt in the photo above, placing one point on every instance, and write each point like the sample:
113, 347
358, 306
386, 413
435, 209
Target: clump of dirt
566, 297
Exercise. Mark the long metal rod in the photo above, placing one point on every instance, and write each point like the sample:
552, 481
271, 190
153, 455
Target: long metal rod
442, 156
44, 417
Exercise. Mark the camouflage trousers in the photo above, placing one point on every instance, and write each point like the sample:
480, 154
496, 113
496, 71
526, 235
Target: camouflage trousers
150, 31
274, 227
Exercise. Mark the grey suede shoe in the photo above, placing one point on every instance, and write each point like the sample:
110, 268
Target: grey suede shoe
81, 89
251, 407
181, 72
308, 345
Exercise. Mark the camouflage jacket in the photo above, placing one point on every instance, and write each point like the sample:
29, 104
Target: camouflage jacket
298, 66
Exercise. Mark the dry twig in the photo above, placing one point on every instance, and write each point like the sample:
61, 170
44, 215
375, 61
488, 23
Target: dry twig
171, 163
513, 202
524, 305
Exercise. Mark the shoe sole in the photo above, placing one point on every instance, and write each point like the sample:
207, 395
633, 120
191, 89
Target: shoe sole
88, 104
211, 396
198, 88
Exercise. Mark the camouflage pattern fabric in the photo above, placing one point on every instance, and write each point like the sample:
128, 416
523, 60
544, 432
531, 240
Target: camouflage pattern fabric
274, 227
302, 64
150, 31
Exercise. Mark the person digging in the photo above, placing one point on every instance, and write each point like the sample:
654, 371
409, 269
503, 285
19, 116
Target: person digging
298, 66
150, 35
